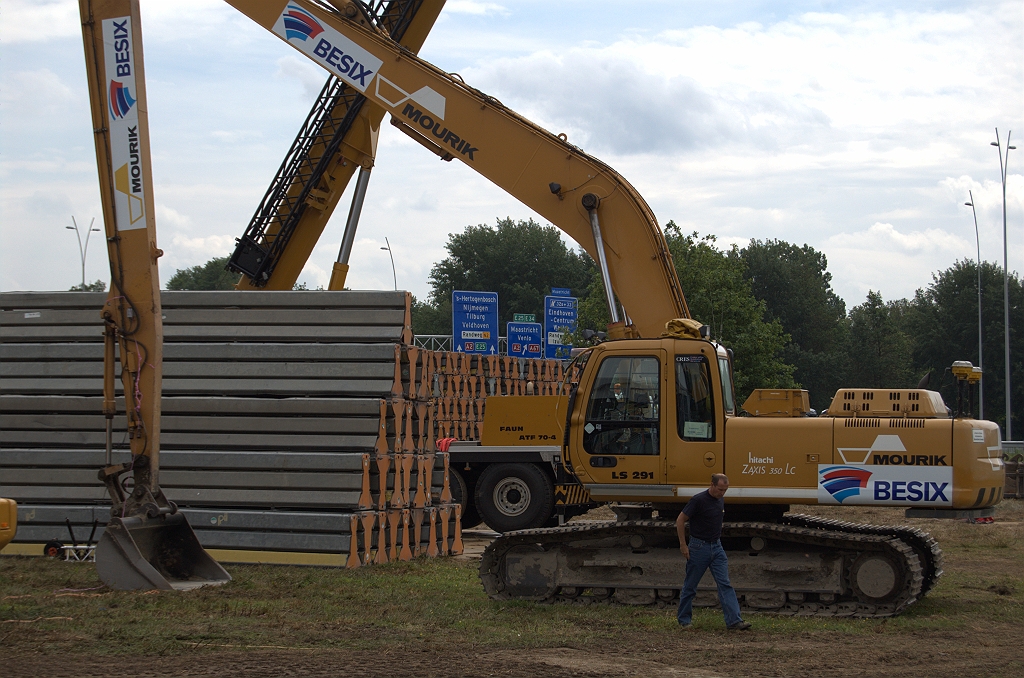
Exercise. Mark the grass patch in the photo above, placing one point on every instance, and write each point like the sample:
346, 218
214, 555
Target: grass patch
52, 606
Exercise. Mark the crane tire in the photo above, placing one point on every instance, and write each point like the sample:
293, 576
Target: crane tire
462, 493
514, 497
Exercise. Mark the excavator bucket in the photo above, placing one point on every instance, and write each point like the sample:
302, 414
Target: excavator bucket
155, 553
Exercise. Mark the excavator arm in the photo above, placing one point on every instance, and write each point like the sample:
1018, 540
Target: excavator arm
579, 194
147, 543
338, 137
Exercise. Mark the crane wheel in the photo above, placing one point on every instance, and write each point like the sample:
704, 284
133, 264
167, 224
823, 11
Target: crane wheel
462, 493
53, 549
513, 497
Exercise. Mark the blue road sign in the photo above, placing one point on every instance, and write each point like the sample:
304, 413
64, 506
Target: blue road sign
475, 322
559, 317
561, 292
524, 340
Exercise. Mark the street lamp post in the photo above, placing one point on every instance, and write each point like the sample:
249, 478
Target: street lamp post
393, 274
1004, 159
82, 251
981, 364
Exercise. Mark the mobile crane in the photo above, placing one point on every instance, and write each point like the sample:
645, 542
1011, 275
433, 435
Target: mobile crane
338, 137
676, 422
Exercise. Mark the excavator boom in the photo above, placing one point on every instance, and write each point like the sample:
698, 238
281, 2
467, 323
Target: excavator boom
147, 544
579, 194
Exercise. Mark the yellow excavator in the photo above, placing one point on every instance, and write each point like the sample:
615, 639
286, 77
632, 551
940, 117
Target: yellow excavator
654, 413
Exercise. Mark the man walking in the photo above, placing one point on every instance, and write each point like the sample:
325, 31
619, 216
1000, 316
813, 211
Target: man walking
705, 512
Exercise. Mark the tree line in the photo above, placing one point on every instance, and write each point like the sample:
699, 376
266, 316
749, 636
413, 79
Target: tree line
771, 301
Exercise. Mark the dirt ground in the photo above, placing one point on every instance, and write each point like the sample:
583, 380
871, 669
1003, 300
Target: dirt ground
687, 655
971, 625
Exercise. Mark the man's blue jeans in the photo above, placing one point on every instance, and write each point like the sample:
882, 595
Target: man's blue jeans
704, 554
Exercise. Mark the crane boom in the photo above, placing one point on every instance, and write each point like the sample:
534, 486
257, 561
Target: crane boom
338, 136
578, 193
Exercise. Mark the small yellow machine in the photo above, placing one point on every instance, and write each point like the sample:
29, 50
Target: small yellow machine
8, 521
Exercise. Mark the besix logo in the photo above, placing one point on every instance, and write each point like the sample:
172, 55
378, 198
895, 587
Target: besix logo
298, 23
843, 482
121, 100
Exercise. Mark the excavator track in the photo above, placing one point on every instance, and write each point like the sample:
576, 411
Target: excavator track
924, 544
776, 568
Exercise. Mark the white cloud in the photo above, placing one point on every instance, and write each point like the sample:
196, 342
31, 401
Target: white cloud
171, 217
883, 258
38, 20
310, 76
885, 236
36, 89
474, 7
191, 251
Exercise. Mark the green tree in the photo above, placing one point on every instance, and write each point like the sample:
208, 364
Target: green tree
719, 295
944, 324
796, 286
593, 308
881, 350
430, 319
98, 286
210, 276
520, 260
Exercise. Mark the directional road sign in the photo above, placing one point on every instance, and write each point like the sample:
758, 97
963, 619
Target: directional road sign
524, 340
524, 318
559, 318
475, 322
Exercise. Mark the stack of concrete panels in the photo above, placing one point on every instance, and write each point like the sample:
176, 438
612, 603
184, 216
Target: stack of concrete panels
281, 411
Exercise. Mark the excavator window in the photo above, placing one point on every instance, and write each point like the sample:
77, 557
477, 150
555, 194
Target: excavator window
725, 370
695, 407
623, 412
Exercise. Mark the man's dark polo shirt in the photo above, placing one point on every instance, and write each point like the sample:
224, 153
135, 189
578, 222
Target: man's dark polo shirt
705, 514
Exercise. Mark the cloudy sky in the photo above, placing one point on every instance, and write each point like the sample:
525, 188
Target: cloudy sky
855, 127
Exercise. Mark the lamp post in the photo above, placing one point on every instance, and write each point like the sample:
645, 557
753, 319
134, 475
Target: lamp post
1004, 159
393, 274
82, 251
981, 365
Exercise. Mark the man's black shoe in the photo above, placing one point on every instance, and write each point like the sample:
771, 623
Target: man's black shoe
740, 626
